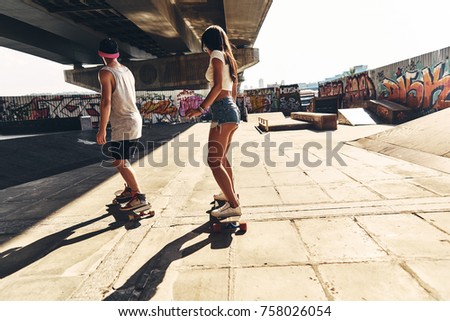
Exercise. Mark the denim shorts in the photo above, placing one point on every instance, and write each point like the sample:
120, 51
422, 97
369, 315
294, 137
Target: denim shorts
224, 111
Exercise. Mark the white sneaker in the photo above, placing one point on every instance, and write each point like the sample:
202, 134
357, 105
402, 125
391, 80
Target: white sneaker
220, 197
226, 211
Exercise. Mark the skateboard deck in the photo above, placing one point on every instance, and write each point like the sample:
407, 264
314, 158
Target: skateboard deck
140, 213
131, 215
229, 223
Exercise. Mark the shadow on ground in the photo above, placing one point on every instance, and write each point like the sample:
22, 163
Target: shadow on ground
15, 259
41, 174
142, 285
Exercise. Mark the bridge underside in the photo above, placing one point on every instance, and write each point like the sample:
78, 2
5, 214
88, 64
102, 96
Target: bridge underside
171, 73
158, 39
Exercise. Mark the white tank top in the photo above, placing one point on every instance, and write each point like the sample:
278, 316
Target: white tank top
125, 119
227, 82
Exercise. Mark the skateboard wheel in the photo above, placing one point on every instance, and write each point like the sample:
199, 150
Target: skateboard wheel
243, 227
216, 227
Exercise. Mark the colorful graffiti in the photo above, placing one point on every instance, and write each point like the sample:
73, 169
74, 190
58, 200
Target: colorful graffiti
188, 99
157, 104
260, 100
331, 88
45, 107
289, 99
359, 87
426, 89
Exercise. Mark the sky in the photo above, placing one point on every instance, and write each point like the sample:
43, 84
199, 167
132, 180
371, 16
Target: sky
299, 41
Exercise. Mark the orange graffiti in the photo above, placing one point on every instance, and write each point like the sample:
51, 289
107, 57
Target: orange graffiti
359, 87
158, 107
430, 92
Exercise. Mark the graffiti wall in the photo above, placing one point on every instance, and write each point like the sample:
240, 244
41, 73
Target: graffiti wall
359, 87
154, 107
353, 88
188, 99
260, 100
286, 99
421, 84
289, 99
423, 88
331, 88
44, 107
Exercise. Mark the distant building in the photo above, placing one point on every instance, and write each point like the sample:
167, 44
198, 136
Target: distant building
352, 71
261, 83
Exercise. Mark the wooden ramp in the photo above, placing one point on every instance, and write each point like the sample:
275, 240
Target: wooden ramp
355, 117
319, 121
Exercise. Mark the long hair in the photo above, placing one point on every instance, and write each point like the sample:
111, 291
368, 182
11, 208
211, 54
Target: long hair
215, 38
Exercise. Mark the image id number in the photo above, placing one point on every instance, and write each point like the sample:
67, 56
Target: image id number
295, 311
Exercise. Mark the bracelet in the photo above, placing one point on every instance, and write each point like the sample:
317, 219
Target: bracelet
202, 110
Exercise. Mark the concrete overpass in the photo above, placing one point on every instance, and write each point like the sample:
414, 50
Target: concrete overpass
159, 39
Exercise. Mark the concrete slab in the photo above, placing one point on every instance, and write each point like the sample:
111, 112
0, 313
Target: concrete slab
255, 248
293, 178
284, 283
303, 194
337, 239
440, 219
49, 288
398, 234
434, 275
438, 184
350, 192
398, 189
259, 196
202, 285
371, 281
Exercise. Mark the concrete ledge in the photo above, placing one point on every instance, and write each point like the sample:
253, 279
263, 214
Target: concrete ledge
282, 124
390, 112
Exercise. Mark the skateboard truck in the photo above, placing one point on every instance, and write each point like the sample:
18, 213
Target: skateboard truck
228, 223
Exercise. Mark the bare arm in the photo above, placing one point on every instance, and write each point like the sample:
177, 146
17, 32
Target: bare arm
217, 88
106, 82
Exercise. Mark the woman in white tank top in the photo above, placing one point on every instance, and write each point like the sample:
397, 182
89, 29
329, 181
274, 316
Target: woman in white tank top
221, 101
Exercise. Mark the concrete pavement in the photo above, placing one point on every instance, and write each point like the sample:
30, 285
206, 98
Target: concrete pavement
365, 226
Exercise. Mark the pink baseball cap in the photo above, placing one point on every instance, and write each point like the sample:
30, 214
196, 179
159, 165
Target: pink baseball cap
108, 48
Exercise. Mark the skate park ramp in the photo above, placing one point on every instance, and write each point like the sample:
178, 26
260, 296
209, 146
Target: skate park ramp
355, 117
423, 141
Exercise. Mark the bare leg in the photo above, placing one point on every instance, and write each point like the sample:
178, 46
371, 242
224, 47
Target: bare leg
226, 162
128, 175
219, 141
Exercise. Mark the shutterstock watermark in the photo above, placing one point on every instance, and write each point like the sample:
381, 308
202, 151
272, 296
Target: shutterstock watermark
184, 153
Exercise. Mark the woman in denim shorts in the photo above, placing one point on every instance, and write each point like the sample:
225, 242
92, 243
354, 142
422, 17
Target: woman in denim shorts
221, 102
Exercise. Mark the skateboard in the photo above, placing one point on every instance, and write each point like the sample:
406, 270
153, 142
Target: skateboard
130, 215
231, 223
134, 215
